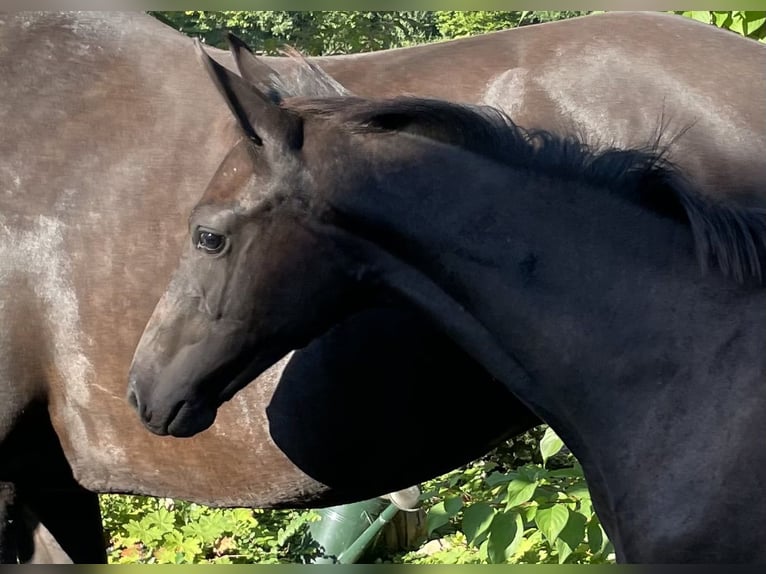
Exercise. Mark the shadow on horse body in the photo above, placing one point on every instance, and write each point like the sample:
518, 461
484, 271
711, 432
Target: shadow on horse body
571, 275
93, 210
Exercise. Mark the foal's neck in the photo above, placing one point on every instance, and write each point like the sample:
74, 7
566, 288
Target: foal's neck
553, 270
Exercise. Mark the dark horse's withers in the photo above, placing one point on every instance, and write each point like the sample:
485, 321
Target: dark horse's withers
110, 131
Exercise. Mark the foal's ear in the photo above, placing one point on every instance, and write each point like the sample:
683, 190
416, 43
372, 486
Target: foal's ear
255, 70
262, 120
299, 77
308, 79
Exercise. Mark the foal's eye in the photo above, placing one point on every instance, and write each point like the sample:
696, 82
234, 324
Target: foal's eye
209, 241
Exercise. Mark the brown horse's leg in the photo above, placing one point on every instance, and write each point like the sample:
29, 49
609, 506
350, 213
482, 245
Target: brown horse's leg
72, 518
46, 493
7, 538
69, 512
15, 531
25, 539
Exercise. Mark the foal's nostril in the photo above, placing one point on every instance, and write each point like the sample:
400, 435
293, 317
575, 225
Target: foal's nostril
134, 401
132, 398
132, 395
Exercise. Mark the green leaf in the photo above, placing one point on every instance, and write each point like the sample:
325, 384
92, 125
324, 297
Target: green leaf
586, 508
162, 518
529, 512
596, 536
550, 444
567, 472
166, 556
722, 19
453, 505
572, 535
499, 478
440, 514
738, 24
755, 22
562, 550
143, 531
190, 550
505, 534
579, 491
532, 472
477, 519
699, 15
754, 17
519, 491
174, 539
551, 521
243, 516
530, 548
205, 529
749, 22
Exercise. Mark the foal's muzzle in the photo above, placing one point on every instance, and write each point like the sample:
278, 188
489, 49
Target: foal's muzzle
181, 419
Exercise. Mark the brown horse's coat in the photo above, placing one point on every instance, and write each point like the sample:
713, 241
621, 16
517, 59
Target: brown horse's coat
110, 131
610, 78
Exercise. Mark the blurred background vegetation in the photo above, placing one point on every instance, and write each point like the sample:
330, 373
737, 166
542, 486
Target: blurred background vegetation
525, 502
332, 32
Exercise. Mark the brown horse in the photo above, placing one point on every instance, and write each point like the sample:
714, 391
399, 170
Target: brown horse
110, 130
92, 206
572, 275
613, 79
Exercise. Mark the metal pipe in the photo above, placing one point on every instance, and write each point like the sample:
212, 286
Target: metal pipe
351, 554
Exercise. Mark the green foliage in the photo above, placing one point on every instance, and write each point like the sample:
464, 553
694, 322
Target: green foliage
162, 531
341, 32
313, 33
522, 503
550, 444
485, 513
454, 24
750, 24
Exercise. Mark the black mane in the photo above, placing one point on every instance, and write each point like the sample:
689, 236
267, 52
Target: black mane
727, 235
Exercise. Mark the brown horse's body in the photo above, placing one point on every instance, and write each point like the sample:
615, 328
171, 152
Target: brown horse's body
610, 78
111, 130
